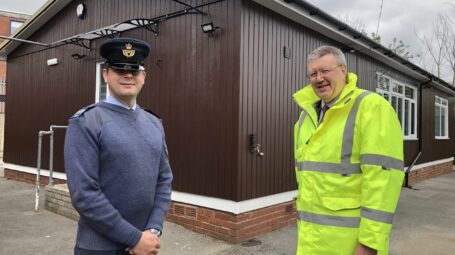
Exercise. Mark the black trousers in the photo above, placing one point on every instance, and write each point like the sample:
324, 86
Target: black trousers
80, 251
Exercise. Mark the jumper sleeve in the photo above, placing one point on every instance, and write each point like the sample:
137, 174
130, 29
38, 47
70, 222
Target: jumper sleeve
381, 159
163, 192
82, 169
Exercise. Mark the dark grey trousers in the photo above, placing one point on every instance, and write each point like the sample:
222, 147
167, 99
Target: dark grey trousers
80, 251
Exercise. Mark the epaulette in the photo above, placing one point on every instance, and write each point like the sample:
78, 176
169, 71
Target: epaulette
82, 111
152, 113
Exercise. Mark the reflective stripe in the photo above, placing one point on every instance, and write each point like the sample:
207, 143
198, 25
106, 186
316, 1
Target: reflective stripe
301, 119
348, 135
336, 221
327, 167
376, 215
346, 168
381, 160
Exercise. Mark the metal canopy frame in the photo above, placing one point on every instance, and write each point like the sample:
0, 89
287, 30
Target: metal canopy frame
84, 40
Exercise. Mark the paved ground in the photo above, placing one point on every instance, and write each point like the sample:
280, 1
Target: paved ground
424, 224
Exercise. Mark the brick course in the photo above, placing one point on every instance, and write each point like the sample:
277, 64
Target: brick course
57, 200
218, 224
428, 172
231, 227
29, 178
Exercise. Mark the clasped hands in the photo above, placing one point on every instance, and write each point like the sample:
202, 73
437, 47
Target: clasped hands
149, 244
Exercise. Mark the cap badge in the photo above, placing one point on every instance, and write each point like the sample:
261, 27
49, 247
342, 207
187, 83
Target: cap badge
128, 52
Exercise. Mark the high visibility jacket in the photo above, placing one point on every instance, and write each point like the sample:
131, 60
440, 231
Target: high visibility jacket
349, 171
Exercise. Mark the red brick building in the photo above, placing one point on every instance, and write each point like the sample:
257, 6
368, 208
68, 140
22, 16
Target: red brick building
9, 22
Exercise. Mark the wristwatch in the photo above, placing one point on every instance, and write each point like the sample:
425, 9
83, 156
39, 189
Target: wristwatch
156, 232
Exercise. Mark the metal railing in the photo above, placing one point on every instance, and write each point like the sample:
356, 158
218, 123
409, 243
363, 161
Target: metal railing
51, 160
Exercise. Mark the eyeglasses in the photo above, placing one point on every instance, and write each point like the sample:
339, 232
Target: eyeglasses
322, 72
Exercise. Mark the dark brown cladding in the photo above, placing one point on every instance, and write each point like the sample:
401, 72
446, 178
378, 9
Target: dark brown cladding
435, 149
192, 84
212, 92
268, 79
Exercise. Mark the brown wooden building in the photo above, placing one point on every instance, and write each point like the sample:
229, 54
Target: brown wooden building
213, 92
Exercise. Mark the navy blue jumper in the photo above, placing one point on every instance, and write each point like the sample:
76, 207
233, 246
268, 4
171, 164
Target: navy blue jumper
118, 174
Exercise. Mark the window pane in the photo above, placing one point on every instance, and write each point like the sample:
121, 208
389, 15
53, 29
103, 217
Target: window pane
437, 121
438, 100
400, 89
400, 110
102, 85
102, 92
383, 83
409, 93
444, 102
406, 117
394, 87
14, 25
413, 120
386, 96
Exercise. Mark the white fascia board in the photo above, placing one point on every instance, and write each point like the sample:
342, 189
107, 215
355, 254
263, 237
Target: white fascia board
31, 170
41, 17
232, 206
432, 163
193, 199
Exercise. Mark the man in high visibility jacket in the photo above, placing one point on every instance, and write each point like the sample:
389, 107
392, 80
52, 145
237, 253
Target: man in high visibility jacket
348, 148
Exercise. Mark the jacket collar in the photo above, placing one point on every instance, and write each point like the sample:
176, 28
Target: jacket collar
307, 96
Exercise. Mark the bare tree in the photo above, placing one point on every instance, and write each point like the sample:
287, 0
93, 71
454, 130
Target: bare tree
435, 45
440, 45
449, 43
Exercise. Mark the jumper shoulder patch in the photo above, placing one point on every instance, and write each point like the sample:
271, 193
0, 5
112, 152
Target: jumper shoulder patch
82, 111
152, 113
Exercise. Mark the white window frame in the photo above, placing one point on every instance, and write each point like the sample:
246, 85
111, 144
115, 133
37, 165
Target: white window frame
100, 83
443, 106
389, 94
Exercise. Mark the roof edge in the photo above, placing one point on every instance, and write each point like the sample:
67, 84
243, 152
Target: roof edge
39, 18
310, 16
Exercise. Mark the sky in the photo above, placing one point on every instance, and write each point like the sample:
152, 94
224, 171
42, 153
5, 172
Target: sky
403, 19
22, 6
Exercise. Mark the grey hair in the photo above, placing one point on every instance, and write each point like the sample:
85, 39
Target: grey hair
325, 50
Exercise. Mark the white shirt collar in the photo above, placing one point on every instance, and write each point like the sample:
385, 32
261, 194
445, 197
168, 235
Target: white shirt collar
115, 101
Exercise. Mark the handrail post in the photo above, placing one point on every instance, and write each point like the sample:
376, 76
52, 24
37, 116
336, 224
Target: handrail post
51, 160
38, 169
51, 157
51, 152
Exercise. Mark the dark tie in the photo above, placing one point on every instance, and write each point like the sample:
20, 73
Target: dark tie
323, 110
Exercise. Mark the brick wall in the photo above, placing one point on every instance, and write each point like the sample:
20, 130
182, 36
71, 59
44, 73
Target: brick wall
29, 178
218, 224
225, 226
428, 172
57, 200
230, 227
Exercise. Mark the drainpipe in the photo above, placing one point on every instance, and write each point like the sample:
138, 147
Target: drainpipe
407, 171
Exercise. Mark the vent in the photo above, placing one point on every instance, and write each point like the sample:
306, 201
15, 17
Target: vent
179, 210
191, 212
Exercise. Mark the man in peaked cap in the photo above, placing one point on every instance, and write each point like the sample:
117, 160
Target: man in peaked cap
116, 162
